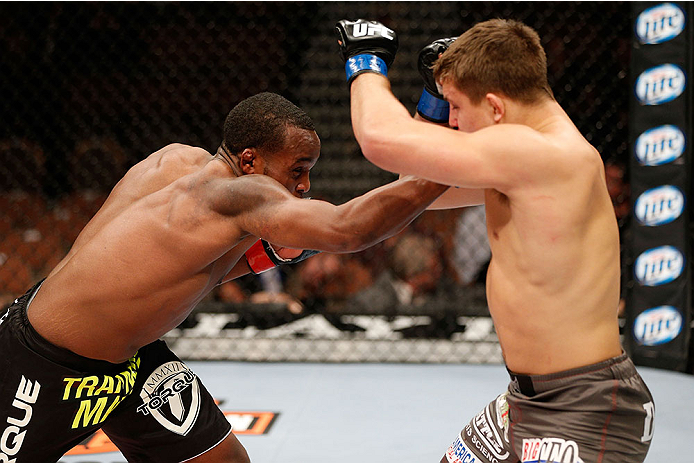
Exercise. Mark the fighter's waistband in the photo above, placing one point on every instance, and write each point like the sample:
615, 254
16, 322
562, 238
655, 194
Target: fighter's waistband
27, 335
620, 367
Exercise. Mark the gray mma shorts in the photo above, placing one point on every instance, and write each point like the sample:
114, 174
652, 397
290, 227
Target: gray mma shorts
601, 413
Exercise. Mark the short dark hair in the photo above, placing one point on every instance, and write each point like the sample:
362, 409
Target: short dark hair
498, 56
261, 122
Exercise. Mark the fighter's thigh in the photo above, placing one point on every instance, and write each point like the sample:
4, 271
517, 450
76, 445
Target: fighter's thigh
485, 438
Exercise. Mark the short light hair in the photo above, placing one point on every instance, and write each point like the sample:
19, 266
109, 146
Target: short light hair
496, 56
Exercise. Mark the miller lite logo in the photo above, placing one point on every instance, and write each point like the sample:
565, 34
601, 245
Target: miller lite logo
659, 206
657, 325
660, 23
660, 84
171, 394
658, 266
362, 29
659, 145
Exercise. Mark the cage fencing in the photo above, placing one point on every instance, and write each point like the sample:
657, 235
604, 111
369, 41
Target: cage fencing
89, 89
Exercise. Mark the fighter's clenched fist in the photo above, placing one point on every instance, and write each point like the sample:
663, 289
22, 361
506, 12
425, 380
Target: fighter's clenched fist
366, 46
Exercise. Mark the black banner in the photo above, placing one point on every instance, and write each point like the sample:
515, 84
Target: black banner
658, 303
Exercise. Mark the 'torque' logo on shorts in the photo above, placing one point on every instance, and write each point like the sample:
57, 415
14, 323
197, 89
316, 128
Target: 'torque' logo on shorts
171, 394
12, 436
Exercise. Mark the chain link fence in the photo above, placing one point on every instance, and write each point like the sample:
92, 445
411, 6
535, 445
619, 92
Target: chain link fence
89, 89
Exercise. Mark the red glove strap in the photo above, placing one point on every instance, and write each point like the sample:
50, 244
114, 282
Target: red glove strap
258, 259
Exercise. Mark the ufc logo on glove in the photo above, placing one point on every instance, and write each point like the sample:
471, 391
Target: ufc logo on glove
362, 29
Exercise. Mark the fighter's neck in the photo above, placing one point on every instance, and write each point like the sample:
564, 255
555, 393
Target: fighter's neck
229, 159
541, 116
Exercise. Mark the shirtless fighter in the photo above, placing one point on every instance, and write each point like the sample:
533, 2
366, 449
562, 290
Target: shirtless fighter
553, 280
80, 351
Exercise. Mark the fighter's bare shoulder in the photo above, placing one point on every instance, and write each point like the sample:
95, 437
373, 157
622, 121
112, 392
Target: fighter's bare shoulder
246, 194
178, 152
553, 151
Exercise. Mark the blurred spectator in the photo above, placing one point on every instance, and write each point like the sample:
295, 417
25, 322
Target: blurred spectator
24, 249
230, 292
270, 291
414, 284
293, 305
325, 281
273, 292
414, 271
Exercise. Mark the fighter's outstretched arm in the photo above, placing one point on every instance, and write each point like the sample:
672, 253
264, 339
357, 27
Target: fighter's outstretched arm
270, 212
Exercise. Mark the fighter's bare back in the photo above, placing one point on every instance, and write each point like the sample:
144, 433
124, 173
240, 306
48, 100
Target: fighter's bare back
154, 249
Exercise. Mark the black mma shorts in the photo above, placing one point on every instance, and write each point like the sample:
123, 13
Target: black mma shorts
153, 407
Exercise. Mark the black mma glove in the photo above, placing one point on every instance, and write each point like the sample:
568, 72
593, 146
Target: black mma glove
366, 46
431, 105
262, 256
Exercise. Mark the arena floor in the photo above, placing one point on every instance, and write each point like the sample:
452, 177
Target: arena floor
347, 413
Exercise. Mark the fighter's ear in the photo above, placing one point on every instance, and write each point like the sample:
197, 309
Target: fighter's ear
247, 161
497, 106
